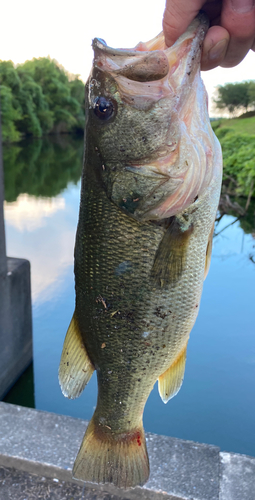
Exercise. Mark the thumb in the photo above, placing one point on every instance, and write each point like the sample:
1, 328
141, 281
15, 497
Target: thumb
177, 17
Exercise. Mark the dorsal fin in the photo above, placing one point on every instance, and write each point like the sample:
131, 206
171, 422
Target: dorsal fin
75, 367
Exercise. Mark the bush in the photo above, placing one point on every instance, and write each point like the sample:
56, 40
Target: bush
221, 132
239, 161
39, 97
9, 116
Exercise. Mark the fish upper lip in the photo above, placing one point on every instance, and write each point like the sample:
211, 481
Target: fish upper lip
97, 43
200, 25
153, 62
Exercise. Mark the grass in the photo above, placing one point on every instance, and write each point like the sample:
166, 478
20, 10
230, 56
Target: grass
239, 125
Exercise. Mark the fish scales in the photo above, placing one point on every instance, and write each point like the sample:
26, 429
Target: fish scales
131, 294
142, 244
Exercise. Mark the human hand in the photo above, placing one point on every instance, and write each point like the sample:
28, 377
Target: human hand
230, 36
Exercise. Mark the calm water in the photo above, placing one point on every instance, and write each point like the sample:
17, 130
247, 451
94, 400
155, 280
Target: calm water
217, 401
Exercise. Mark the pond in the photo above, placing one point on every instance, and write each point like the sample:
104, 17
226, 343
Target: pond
216, 403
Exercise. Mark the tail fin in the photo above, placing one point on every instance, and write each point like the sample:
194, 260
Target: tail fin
106, 457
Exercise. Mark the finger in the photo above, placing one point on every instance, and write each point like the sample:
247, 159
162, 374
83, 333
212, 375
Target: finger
238, 18
178, 16
214, 47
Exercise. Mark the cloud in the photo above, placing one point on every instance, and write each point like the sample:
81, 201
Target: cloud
43, 231
28, 213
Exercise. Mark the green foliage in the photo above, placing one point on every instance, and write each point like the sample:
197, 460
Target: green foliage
235, 96
222, 131
38, 98
9, 116
239, 162
9, 77
78, 93
247, 223
216, 124
251, 92
41, 167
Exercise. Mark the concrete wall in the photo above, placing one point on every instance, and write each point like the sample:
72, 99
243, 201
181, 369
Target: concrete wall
15, 323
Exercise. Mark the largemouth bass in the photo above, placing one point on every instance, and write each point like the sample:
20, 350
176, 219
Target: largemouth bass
150, 190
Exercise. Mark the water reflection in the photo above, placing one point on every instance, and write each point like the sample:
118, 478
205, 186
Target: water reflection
42, 228
243, 220
28, 213
43, 231
42, 167
217, 401
231, 240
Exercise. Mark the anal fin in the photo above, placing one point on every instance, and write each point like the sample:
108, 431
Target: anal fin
208, 252
169, 383
75, 367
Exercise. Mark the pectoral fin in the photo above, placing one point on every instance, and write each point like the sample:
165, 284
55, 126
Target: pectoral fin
169, 383
209, 252
75, 367
170, 257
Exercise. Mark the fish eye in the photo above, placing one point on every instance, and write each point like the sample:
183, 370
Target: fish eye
103, 108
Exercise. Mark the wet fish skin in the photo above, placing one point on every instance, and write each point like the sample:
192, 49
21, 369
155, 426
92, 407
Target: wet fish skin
141, 246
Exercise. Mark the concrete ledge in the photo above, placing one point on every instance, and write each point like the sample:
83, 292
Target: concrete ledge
46, 444
15, 322
19, 485
238, 477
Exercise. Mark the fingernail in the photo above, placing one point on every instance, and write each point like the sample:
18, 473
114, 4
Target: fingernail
218, 50
242, 6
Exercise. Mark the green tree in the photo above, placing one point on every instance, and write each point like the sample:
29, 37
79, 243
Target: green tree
37, 117
9, 116
10, 85
78, 93
40, 97
234, 96
57, 90
27, 102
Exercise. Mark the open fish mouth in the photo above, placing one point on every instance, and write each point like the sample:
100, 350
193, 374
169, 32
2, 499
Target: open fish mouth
165, 68
166, 83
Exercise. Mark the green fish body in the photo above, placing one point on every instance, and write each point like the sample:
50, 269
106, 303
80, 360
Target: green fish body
150, 191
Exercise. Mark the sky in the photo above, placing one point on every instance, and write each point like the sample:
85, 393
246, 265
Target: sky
42, 230
64, 30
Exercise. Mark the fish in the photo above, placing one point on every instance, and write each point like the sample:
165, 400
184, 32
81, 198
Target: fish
149, 195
